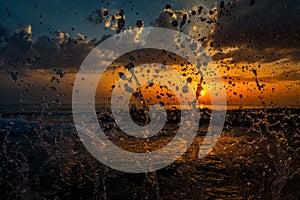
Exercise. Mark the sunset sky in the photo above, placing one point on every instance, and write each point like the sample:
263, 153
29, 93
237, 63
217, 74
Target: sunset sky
255, 45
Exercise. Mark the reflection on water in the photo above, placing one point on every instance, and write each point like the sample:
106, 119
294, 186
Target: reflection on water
257, 156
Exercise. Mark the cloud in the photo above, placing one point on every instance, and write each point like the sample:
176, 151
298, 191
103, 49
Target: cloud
172, 19
258, 28
290, 75
19, 51
16, 46
250, 54
116, 21
198, 22
61, 52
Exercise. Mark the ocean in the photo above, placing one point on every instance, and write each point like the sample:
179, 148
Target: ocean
256, 157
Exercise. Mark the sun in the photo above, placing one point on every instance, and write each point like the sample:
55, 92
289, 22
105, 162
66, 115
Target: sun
202, 93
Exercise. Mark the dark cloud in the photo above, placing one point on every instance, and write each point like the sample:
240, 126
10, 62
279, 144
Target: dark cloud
251, 54
260, 27
197, 22
61, 52
291, 75
170, 19
19, 51
115, 21
269, 23
17, 46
